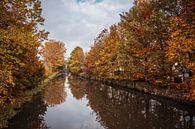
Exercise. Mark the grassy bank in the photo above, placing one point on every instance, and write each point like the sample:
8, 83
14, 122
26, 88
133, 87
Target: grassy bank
12, 109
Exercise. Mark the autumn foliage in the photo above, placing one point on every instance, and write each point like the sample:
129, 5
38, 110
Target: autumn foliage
76, 61
153, 42
182, 44
53, 56
20, 67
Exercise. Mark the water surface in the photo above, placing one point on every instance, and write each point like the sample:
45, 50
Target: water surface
72, 103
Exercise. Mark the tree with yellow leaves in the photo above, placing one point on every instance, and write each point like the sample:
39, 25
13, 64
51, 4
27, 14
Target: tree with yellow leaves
181, 49
107, 64
20, 67
53, 54
76, 61
90, 65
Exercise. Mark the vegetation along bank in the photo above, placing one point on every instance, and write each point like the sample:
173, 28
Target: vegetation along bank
22, 71
154, 42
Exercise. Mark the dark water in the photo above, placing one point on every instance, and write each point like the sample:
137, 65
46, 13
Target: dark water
72, 103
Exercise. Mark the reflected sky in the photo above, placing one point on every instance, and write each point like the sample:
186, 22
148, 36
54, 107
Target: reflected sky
72, 114
92, 105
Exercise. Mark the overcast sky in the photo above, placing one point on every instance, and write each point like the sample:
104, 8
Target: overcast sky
78, 22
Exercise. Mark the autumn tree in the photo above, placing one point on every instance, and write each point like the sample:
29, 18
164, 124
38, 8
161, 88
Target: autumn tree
181, 49
76, 61
182, 43
153, 42
90, 65
20, 68
107, 64
134, 47
145, 31
53, 54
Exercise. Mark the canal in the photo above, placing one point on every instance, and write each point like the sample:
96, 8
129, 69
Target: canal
72, 103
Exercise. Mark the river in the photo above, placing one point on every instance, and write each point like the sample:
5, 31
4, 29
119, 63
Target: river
72, 103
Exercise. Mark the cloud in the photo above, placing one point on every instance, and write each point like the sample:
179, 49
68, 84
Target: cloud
78, 22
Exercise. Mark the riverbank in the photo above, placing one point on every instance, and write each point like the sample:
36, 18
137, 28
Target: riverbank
11, 110
167, 92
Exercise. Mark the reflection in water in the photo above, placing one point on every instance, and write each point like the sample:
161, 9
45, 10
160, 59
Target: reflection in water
91, 105
54, 92
120, 109
32, 115
77, 88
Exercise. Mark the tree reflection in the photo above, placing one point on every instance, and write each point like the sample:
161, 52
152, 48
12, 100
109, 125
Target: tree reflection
117, 108
77, 87
54, 93
31, 115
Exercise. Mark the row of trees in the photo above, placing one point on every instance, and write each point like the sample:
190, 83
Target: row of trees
21, 70
154, 41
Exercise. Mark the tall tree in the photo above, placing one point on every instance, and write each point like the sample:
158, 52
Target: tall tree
76, 61
107, 64
134, 47
94, 54
146, 31
53, 53
181, 49
182, 40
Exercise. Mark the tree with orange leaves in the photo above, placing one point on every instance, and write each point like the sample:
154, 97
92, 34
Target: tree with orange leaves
76, 61
90, 64
53, 54
181, 49
107, 64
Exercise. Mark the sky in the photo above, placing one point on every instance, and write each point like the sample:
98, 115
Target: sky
78, 22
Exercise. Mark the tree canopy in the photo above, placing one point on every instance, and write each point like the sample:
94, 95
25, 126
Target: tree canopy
20, 67
76, 61
53, 54
154, 42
